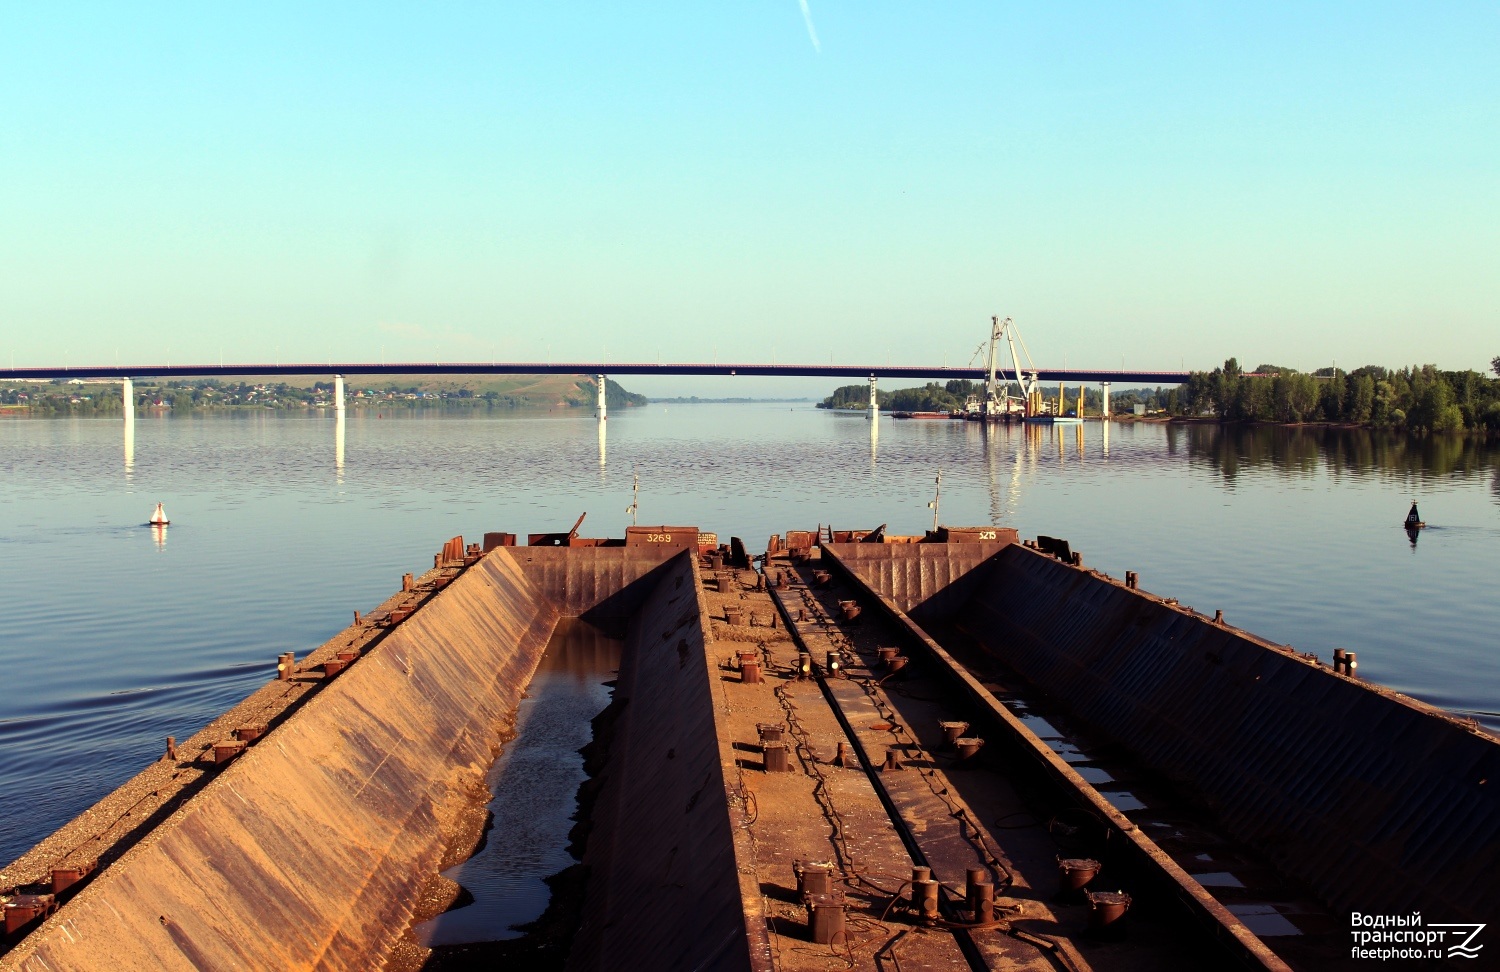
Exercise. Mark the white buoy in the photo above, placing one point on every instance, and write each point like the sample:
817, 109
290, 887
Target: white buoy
159, 516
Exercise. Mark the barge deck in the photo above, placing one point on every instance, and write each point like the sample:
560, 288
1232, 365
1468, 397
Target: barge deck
948, 752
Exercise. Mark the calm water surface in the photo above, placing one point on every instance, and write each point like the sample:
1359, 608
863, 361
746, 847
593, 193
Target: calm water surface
113, 638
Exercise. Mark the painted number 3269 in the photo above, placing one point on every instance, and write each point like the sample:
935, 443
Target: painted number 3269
658, 538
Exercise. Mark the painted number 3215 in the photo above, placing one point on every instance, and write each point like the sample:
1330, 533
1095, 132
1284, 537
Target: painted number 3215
986, 534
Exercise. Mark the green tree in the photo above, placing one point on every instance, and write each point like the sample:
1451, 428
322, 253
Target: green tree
1361, 399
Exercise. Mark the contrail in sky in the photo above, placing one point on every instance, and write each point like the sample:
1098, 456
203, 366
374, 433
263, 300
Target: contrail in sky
812, 32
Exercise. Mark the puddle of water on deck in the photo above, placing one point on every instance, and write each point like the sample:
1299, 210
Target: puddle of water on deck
535, 785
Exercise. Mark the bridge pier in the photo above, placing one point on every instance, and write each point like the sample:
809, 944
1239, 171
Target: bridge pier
599, 412
873, 412
1104, 387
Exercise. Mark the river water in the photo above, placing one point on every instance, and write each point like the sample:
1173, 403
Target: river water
114, 636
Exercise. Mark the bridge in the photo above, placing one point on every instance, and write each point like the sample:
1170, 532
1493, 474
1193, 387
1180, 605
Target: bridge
338, 370
853, 372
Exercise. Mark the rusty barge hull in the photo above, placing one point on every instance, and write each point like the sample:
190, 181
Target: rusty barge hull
783, 789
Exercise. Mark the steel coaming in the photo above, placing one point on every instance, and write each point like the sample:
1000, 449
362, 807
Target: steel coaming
310, 848
1377, 802
671, 885
1213, 915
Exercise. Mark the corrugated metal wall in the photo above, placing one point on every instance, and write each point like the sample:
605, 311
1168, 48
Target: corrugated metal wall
914, 574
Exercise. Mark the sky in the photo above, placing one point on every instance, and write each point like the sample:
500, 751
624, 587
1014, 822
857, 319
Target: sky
1142, 185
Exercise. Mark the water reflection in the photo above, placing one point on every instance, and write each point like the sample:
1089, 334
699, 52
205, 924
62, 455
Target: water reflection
874, 442
129, 449
338, 445
535, 784
1296, 451
159, 535
1104, 429
603, 450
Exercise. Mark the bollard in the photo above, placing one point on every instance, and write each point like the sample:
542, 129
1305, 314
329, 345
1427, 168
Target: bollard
734, 615
1218, 617
979, 893
251, 732
892, 760
347, 656
407, 582
1132, 579
924, 898
775, 757
886, 654
769, 733
286, 666
22, 909
825, 918
968, 747
1351, 666
357, 620
227, 749
843, 757
831, 664
1106, 908
750, 672
65, 877
850, 609
1074, 873
813, 877
332, 668
951, 732
804, 665
1077, 559
898, 663
1338, 661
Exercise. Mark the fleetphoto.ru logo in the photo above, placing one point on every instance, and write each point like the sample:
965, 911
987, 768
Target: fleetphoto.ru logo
1387, 937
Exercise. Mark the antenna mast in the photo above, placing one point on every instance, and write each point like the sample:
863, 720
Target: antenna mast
937, 497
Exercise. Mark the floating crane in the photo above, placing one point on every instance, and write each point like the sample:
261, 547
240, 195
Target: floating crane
999, 404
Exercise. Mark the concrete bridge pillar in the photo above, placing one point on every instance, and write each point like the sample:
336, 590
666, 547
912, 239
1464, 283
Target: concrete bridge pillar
599, 412
338, 392
1105, 388
873, 412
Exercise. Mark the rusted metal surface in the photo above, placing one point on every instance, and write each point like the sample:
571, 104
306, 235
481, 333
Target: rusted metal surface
665, 537
308, 849
604, 586
1373, 799
914, 574
1224, 924
668, 886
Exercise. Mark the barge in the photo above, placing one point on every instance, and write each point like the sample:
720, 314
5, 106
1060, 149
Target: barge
953, 751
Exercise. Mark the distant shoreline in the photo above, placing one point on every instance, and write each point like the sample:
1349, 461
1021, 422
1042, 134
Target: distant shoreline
695, 400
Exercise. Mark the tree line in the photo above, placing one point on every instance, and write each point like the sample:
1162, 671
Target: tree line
1424, 398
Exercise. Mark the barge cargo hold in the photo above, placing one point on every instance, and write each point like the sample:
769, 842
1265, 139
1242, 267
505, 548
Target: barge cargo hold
856, 750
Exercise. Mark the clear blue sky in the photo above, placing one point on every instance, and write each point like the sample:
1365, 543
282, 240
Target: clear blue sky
1160, 183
